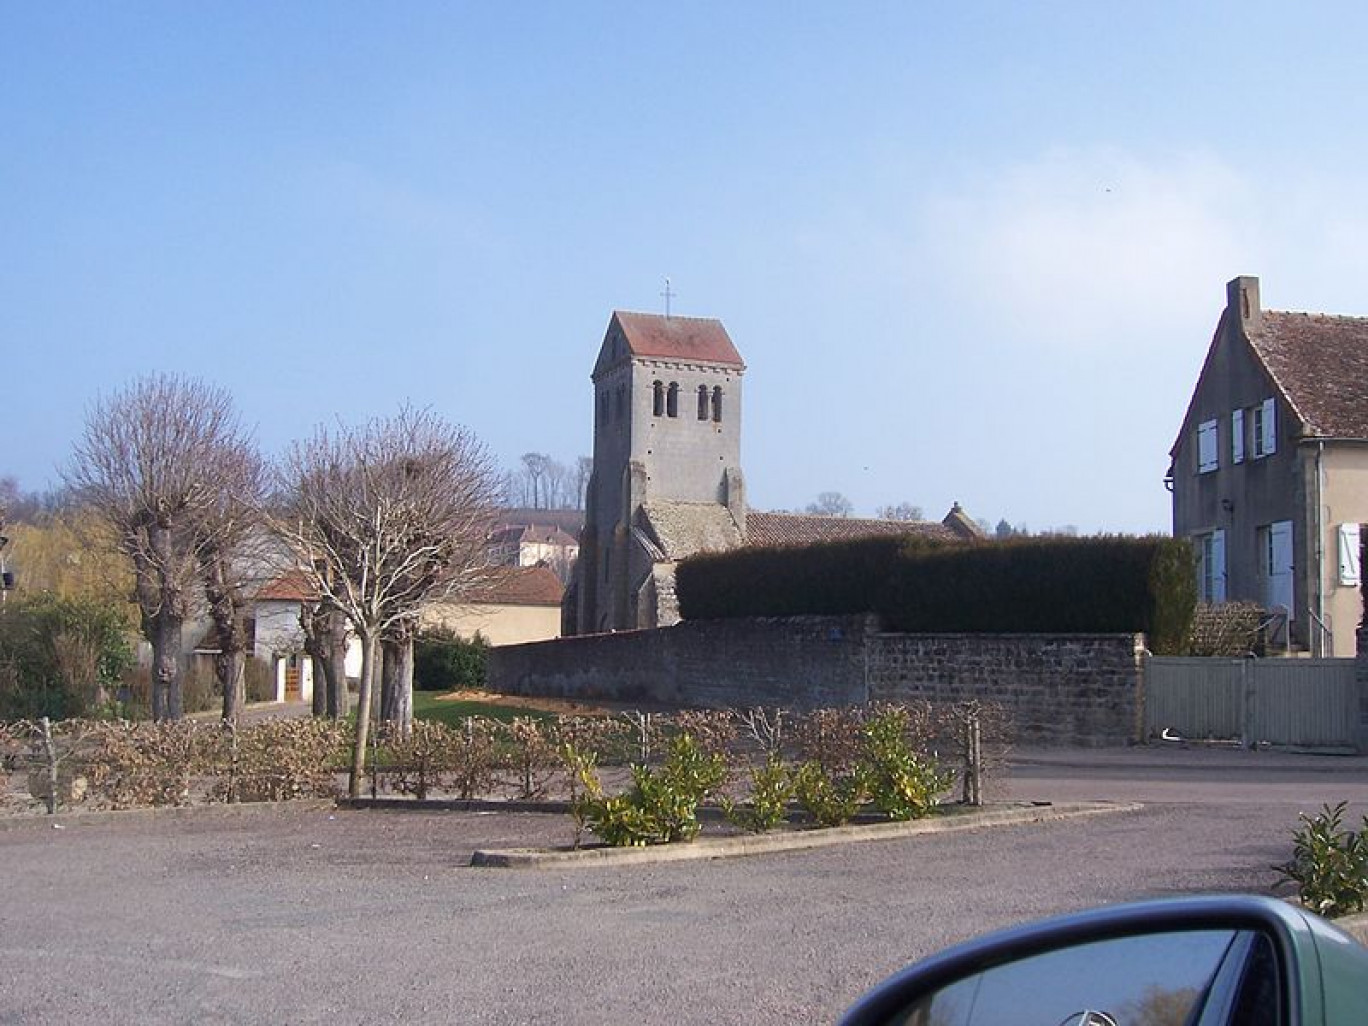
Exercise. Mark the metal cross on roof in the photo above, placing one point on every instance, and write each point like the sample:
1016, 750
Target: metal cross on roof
668, 294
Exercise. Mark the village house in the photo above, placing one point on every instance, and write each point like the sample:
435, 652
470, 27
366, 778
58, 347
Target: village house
1269, 473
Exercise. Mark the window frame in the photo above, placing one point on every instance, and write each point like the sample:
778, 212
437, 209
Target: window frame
1208, 446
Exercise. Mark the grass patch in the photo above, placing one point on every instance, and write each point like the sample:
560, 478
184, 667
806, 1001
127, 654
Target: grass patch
429, 705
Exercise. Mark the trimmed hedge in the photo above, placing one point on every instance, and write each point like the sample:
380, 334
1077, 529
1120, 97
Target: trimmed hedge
1019, 586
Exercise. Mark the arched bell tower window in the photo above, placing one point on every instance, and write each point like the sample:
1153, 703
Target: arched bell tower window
658, 399
672, 400
702, 402
717, 404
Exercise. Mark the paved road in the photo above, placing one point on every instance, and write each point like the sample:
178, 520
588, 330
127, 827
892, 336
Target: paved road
312, 916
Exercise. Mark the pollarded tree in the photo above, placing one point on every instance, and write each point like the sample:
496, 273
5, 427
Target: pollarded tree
384, 518
152, 463
228, 541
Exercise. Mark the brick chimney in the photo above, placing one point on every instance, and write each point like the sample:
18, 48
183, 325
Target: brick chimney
1242, 302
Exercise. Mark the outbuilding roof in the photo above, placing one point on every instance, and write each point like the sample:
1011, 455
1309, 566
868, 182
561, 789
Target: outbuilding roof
773, 530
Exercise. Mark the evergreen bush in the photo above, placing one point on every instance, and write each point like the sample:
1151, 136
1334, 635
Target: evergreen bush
1097, 585
444, 661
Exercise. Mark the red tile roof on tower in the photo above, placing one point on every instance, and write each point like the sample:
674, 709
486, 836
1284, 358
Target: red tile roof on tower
1321, 365
690, 339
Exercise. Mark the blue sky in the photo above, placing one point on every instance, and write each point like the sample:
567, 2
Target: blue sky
969, 252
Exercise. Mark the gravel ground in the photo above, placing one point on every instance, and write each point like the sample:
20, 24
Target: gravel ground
309, 915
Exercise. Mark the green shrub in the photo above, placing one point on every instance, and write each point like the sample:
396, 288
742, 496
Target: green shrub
1329, 863
443, 661
61, 657
771, 790
901, 783
829, 799
662, 805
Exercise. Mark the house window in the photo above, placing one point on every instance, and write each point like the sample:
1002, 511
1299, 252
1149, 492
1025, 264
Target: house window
1350, 555
1211, 567
1265, 429
672, 400
657, 399
1237, 436
702, 402
717, 404
621, 402
1207, 460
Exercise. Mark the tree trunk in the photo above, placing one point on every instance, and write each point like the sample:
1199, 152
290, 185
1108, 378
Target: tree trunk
396, 698
230, 629
369, 649
231, 667
338, 699
166, 666
319, 667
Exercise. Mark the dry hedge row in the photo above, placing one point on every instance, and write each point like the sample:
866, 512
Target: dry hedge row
121, 764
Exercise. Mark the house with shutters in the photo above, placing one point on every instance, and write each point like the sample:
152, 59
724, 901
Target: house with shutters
1269, 473
667, 482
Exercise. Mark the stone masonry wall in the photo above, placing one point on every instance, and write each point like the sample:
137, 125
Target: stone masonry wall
804, 662
1084, 690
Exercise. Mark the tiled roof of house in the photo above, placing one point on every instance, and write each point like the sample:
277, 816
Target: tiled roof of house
291, 586
690, 339
532, 534
571, 521
1321, 365
773, 530
683, 529
520, 586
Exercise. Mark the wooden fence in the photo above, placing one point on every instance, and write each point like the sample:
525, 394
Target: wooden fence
1301, 702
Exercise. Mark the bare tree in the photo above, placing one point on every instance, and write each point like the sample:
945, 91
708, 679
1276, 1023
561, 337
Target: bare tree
535, 465
902, 511
384, 518
325, 642
151, 462
584, 469
831, 504
228, 535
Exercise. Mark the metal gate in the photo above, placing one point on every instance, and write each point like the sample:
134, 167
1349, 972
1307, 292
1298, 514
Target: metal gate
1310, 702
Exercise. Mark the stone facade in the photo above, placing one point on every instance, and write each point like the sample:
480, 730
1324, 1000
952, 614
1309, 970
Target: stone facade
1083, 690
667, 430
1077, 689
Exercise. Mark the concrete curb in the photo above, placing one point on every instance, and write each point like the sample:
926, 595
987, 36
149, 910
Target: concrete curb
1355, 926
797, 840
217, 810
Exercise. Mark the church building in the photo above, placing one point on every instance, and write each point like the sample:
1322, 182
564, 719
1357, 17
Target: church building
667, 480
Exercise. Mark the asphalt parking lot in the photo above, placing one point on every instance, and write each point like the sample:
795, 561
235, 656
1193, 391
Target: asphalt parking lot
311, 915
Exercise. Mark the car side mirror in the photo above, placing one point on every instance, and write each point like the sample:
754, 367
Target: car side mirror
1190, 962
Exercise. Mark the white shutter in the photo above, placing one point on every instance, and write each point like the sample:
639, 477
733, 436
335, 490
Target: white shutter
1218, 567
1270, 434
1207, 458
1350, 571
1237, 436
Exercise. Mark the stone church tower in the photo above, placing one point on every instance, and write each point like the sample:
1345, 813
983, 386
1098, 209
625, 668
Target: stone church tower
667, 468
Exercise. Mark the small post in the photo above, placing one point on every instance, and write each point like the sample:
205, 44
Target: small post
50, 756
973, 756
